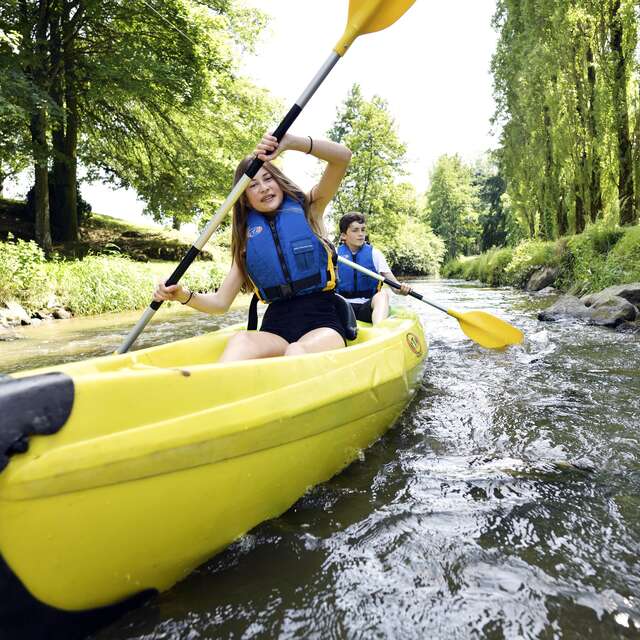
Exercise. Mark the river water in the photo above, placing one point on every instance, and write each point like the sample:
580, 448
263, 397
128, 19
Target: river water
505, 503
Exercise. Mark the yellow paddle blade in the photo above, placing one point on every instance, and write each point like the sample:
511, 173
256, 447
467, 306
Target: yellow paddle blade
367, 16
487, 330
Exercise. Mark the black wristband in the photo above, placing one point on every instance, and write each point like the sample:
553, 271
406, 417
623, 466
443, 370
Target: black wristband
189, 298
310, 145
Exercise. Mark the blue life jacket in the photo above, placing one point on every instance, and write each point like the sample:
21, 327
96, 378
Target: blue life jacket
284, 257
352, 283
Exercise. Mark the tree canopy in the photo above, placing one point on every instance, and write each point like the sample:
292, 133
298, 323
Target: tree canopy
145, 94
453, 206
373, 187
566, 88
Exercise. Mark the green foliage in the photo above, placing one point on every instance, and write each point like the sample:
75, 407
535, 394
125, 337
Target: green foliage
96, 284
453, 205
488, 267
23, 274
103, 284
413, 249
527, 257
565, 83
600, 257
392, 209
624, 258
494, 218
367, 128
153, 95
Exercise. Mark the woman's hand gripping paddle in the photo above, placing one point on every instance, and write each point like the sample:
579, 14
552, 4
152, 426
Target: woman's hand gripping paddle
483, 328
365, 16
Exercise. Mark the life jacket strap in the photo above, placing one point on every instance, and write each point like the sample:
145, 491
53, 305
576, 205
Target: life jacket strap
284, 291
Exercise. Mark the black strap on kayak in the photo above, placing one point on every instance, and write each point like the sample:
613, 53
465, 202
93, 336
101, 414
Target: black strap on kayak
347, 317
35, 405
252, 320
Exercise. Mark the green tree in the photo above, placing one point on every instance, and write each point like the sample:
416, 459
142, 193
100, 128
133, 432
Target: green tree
14, 143
453, 206
372, 186
490, 186
565, 83
368, 129
133, 92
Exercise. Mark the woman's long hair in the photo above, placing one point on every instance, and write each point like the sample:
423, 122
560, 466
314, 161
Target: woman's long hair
241, 210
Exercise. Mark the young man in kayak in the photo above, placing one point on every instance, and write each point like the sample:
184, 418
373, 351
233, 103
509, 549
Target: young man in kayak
280, 251
369, 301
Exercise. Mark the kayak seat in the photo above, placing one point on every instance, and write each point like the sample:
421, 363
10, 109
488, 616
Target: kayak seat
347, 317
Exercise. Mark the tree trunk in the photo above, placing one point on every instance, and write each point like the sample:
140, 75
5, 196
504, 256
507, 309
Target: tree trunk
41, 187
64, 212
595, 183
36, 50
57, 205
561, 217
620, 104
579, 205
176, 223
71, 137
547, 223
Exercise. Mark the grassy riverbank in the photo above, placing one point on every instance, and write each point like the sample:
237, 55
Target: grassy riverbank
96, 284
600, 257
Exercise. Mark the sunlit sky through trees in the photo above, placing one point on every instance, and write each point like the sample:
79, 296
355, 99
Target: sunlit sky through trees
432, 67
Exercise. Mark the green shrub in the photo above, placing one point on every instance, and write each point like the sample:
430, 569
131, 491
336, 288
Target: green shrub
100, 284
488, 267
23, 275
623, 262
497, 266
598, 258
456, 268
201, 276
452, 269
413, 249
527, 257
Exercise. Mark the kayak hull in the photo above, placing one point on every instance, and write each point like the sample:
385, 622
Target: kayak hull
160, 467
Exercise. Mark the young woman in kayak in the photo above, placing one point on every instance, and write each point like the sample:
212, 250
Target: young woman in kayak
279, 250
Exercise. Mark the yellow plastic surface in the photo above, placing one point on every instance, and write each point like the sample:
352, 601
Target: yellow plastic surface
367, 16
168, 457
487, 330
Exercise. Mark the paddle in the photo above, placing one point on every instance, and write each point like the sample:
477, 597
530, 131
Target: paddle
365, 16
483, 328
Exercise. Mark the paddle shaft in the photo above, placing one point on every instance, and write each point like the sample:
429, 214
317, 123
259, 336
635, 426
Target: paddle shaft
391, 283
231, 199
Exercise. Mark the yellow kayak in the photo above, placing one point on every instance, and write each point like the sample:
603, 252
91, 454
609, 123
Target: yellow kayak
141, 466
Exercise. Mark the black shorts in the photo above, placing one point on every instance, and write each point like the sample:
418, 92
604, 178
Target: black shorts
362, 310
291, 319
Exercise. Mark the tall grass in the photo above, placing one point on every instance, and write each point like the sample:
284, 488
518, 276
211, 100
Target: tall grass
600, 257
95, 284
23, 275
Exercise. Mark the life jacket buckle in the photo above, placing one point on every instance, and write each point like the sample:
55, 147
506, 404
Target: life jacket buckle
286, 290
